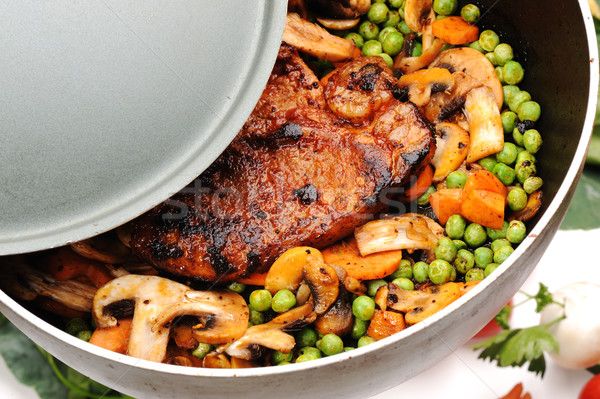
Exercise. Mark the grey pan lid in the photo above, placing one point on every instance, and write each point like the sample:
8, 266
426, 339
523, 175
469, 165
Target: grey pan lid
109, 107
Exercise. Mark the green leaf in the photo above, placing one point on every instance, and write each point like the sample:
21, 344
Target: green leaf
528, 344
27, 364
584, 212
543, 298
503, 316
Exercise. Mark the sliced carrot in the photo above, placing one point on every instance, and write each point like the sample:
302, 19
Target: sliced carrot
385, 323
98, 275
454, 30
485, 208
466, 287
114, 338
65, 264
253, 279
486, 181
345, 254
446, 202
419, 186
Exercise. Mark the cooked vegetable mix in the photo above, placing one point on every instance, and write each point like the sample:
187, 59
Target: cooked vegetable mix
480, 189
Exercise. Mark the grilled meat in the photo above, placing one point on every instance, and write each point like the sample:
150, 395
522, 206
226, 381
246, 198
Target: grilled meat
311, 164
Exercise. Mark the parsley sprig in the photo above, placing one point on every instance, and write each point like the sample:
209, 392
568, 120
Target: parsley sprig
515, 347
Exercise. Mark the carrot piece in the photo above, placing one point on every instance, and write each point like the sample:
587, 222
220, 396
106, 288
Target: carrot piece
486, 181
446, 202
65, 264
385, 323
371, 267
454, 30
419, 186
466, 287
114, 338
98, 275
253, 279
514, 393
485, 208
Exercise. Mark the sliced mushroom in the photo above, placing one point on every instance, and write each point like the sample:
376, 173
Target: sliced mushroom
323, 283
534, 203
417, 305
474, 64
338, 24
339, 8
272, 335
421, 84
156, 302
105, 248
313, 39
485, 124
452, 145
445, 104
409, 231
215, 360
417, 14
286, 271
408, 64
338, 318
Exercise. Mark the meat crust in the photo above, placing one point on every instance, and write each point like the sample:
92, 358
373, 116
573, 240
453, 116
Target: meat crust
310, 165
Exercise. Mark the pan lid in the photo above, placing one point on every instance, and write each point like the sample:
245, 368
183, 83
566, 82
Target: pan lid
108, 107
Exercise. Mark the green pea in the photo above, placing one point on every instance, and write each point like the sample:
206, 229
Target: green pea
460, 244
525, 170
368, 30
283, 301
525, 156
74, 326
307, 336
517, 99
477, 46
475, 274
499, 243
489, 40
305, 358
490, 268
331, 344
455, 227
502, 253
260, 300
311, 351
392, 43
417, 49
396, 3
364, 340
529, 111
403, 28
236, 287
384, 32
445, 7
278, 357
498, 70
374, 285
470, 13
495, 234
509, 92
475, 235
356, 38
517, 136
378, 13
404, 270
504, 173
84, 335
440, 271
508, 154
420, 270
359, 328
532, 140
372, 48
483, 256
488, 163
393, 19
517, 199
363, 307
404, 283
513, 72
202, 350
256, 317
424, 198
456, 179
491, 58
532, 184
445, 249
516, 231
503, 53
464, 261
509, 121
388, 60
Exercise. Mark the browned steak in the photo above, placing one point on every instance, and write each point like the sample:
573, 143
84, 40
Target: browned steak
307, 168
